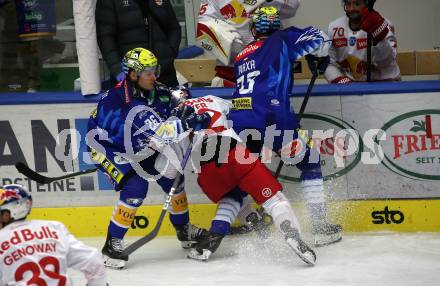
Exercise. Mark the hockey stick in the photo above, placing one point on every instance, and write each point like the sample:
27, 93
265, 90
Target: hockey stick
370, 4
301, 111
31, 174
150, 236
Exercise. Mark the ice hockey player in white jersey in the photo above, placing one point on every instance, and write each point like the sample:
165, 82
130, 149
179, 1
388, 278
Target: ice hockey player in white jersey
223, 30
348, 52
38, 252
224, 164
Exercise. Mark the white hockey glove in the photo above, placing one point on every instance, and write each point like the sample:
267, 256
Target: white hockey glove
219, 38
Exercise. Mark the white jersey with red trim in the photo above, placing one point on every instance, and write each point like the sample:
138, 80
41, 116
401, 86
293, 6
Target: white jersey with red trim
237, 14
218, 109
37, 252
348, 54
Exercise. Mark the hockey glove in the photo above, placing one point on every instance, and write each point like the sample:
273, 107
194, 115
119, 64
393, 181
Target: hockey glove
182, 111
374, 24
317, 65
202, 121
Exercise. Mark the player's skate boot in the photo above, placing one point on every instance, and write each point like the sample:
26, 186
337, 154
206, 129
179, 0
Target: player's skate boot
294, 240
112, 253
258, 221
189, 234
206, 247
325, 233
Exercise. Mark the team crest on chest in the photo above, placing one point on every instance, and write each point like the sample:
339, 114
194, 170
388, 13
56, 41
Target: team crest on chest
352, 41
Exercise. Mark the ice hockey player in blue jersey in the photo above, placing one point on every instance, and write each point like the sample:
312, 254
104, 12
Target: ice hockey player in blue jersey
261, 101
125, 132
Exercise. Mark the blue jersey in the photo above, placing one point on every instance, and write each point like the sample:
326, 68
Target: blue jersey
119, 113
119, 109
264, 73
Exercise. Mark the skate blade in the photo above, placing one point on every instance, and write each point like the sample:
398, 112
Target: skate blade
188, 244
308, 257
194, 254
323, 240
111, 263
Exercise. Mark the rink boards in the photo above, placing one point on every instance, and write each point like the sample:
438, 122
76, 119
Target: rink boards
398, 190
354, 216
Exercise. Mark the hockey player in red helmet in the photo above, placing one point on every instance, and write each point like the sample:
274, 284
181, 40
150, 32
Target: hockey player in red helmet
61, 249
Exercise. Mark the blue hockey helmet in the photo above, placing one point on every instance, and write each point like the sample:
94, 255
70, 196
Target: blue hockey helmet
265, 20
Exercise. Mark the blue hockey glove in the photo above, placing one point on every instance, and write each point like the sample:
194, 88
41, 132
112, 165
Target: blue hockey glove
317, 65
197, 121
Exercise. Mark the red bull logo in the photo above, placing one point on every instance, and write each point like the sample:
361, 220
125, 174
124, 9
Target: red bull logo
7, 195
235, 12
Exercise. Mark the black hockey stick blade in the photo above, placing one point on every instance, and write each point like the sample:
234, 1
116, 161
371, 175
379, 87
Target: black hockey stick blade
31, 174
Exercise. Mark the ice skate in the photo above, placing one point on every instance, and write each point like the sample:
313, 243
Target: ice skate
189, 235
112, 253
299, 246
325, 233
206, 247
259, 222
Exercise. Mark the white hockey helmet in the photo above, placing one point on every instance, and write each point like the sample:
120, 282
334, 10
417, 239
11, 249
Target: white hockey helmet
15, 199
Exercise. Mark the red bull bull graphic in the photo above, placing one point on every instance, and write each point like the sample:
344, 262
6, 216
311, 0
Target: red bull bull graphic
8, 195
234, 12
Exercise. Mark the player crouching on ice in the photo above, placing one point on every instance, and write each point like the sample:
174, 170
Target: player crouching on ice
38, 252
110, 125
225, 164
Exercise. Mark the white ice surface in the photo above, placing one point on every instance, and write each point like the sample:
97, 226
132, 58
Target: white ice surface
359, 259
